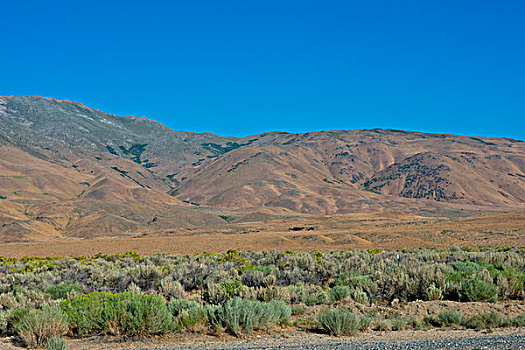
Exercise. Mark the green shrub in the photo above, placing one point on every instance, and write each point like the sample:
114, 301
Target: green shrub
382, 325
214, 316
360, 297
187, 313
176, 306
56, 343
218, 293
398, 324
3, 322
89, 313
279, 311
519, 321
171, 289
478, 290
39, 325
364, 323
298, 310
317, 299
353, 280
142, 315
119, 314
63, 290
486, 320
339, 322
339, 293
467, 267
189, 318
14, 317
241, 316
449, 317
416, 323
434, 293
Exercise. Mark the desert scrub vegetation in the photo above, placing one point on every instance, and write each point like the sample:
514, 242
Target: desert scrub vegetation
321, 278
341, 322
117, 314
128, 294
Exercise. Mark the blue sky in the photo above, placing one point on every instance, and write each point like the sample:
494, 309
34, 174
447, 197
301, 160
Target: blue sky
245, 67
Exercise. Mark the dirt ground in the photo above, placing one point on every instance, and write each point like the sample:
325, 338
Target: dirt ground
278, 339
332, 232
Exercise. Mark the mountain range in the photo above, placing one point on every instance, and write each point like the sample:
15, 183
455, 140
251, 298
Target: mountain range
67, 170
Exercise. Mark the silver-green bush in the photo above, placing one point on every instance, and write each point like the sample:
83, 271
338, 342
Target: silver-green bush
241, 316
39, 325
56, 343
339, 322
449, 317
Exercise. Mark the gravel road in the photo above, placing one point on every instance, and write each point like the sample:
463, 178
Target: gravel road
514, 341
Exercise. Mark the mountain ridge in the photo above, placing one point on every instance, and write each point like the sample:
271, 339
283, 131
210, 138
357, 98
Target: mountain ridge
251, 135
61, 159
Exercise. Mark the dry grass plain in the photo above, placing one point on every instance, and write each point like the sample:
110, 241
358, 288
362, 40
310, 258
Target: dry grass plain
389, 230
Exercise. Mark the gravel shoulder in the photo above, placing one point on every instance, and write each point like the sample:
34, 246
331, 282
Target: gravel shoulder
510, 339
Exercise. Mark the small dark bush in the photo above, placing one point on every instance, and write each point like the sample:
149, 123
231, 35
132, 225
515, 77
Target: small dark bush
382, 325
398, 324
519, 321
417, 324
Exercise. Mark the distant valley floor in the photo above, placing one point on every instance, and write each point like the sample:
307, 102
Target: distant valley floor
390, 230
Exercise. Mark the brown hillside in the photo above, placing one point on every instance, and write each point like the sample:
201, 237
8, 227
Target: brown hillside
70, 171
329, 172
